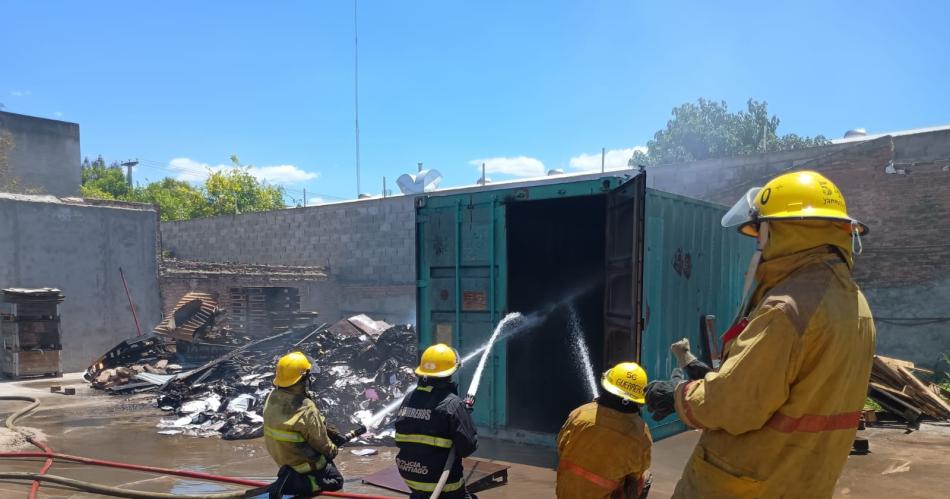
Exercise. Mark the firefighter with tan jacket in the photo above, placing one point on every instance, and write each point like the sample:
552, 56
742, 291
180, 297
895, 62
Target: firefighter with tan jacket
296, 435
780, 415
604, 446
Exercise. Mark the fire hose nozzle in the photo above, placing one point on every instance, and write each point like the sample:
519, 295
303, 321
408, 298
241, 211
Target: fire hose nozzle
355, 433
469, 403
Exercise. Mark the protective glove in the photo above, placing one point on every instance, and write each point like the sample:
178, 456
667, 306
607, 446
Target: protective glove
697, 369
333, 433
680, 350
659, 396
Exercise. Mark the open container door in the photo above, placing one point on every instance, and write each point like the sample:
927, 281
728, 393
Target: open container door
624, 272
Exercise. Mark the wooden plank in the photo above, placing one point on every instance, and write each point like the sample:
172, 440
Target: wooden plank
924, 391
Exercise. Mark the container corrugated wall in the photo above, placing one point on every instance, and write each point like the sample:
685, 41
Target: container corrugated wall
693, 267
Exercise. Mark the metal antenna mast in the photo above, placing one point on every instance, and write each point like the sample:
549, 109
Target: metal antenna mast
356, 92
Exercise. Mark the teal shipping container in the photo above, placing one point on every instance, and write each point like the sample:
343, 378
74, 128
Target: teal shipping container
636, 269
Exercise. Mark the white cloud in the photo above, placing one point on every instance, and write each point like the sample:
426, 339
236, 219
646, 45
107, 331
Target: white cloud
195, 171
282, 174
315, 201
58, 114
518, 166
20, 93
614, 159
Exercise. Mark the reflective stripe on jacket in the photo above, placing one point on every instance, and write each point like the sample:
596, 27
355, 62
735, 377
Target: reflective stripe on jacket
431, 421
294, 431
599, 449
780, 415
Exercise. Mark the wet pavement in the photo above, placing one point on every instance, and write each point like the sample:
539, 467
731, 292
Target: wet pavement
123, 429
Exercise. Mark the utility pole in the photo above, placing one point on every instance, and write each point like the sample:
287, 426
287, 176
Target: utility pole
129, 164
304, 197
384, 186
603, 157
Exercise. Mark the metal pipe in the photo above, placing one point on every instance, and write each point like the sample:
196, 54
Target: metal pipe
135, 316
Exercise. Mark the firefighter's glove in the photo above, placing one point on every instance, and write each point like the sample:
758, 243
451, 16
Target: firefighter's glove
680, 350
696, 369
659, 396
335, 436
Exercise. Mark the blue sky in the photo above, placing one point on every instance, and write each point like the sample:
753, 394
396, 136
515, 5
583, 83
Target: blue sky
528, 86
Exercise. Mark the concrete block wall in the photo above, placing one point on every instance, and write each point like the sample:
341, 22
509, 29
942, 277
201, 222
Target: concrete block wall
367, 244
368, 241
78, 248
45, 153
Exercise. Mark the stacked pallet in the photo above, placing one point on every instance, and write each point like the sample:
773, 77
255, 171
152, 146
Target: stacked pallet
262, 311
895, 387
30, 332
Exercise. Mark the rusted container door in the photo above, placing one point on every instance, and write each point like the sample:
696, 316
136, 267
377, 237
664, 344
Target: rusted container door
624, 271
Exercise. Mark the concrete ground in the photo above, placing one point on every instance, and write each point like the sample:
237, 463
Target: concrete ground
123, 429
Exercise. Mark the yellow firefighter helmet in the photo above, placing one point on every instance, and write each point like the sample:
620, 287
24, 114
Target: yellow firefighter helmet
804, 195
626, 380
291, 368
438, 361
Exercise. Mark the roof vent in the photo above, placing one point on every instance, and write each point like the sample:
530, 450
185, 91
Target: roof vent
423, 181
555, 171
855, 132
483, 180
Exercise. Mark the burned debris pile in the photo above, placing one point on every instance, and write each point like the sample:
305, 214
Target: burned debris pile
898, 390
361, 365
117, 371
356, 373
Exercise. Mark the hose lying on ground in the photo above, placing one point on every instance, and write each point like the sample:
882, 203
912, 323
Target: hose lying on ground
103, 489
11, 425
113, 491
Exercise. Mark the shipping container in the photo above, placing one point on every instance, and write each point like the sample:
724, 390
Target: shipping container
638, 268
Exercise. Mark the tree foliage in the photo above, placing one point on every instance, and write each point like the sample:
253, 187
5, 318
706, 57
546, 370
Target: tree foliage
706, 130
224, 192
237, 191
97, 178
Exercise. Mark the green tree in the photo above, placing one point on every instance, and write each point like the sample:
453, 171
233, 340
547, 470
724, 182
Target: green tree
237, 191
706, 130
224, 192
176, 199
99, 180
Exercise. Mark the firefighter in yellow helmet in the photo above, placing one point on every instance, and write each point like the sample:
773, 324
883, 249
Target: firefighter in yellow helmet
780, 415
295, 434
604, 446
431, 422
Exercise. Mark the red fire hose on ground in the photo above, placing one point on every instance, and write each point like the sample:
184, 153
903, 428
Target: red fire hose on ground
102, 489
